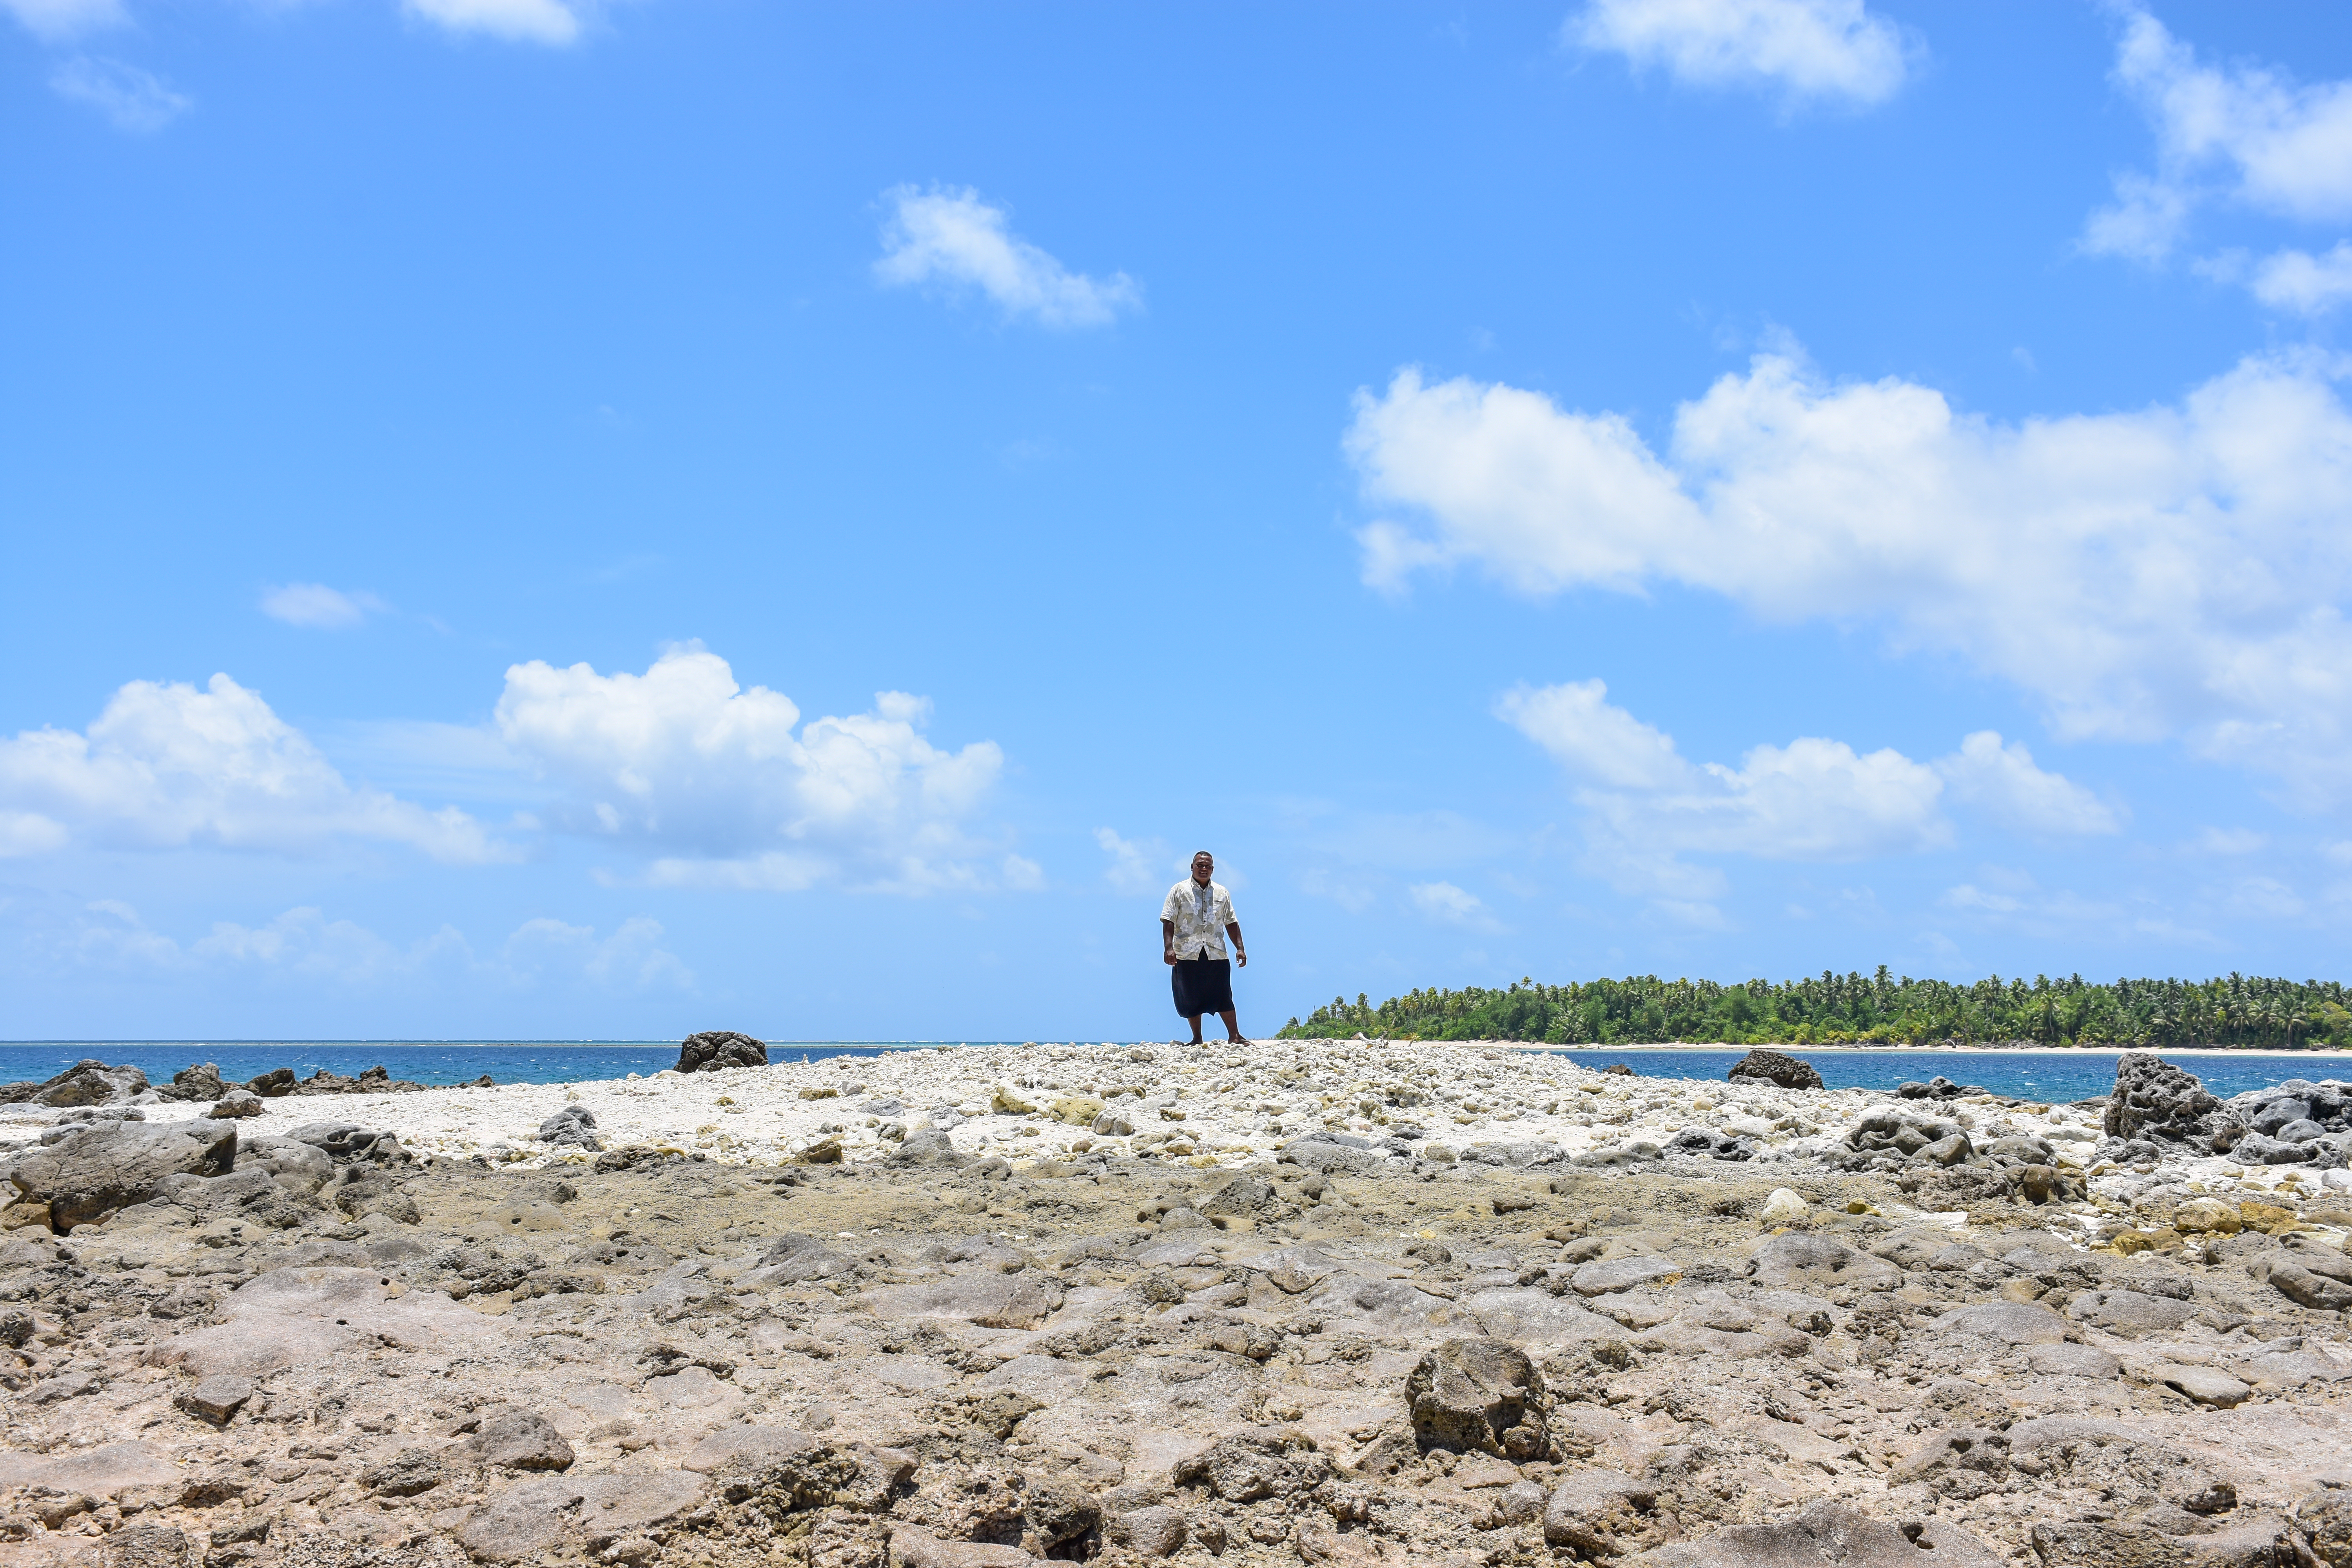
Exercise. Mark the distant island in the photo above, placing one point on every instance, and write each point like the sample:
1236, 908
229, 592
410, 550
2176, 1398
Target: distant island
1857, 1009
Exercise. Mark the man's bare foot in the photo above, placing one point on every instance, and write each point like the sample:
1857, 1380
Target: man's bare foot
1237, 1040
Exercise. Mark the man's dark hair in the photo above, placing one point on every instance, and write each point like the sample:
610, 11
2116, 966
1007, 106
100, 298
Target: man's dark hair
1198, 853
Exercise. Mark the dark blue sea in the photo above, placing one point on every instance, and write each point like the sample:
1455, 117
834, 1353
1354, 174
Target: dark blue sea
2055, 1077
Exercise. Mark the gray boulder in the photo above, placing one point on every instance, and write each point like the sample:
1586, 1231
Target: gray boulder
86, 1175
1324, 1154
348, 1141
2305, 1287
87, 1082
575, 1126
236, 1102
715, 1048
1775, 1068
2155, 1100
202, 1081
298, 1167
1481, 1396
930, 1146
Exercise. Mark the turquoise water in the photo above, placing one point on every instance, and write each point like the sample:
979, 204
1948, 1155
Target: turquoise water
2057, 1077
419, 1061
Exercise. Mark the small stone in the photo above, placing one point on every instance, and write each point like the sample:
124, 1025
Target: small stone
405, 1474
149, 1546
1609, 1275
1783, 1207
2306, 1288
1004, 1102
2205, 1386
513, 1438
216, 1399
1154, 1531
237, 1102
1598, 1512
2326, 1516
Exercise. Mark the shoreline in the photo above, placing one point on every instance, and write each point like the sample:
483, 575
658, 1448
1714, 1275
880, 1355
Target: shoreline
2339, 1054
2330, 1053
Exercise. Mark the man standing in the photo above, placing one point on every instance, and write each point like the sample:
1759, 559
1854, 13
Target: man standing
1193, 924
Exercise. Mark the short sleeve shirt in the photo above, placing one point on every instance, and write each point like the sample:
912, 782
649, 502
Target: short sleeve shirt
1200, 916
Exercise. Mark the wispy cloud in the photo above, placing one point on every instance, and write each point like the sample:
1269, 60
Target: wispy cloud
1136, 868
316, 605
134, 100
520, 21
56, 20
1449, 905
953, 239
304, 945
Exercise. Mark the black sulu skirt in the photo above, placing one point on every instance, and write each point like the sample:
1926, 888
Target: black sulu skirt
1202, 985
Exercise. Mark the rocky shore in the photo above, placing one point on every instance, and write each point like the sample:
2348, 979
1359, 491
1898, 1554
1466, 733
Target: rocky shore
1318, 1302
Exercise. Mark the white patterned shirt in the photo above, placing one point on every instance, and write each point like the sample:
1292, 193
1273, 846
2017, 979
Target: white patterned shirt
1200, 916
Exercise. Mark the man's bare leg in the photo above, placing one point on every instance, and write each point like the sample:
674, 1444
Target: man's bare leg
1233, 1029
1195, 1021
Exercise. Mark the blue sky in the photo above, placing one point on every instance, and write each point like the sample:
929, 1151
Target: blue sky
542, 518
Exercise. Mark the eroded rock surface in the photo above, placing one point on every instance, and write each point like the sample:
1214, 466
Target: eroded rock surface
1336, 1348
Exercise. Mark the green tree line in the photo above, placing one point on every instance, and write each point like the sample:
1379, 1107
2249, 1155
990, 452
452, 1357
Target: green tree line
1855, 1008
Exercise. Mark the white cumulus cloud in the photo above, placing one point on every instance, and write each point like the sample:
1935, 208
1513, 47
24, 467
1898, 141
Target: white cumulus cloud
728, 789
134, 100
2002, 779
954, 239
2241, 133
2307, 284
1645, 804
169, 766
1832, 50
2173, 571
317, 605
520, 21
1812, 800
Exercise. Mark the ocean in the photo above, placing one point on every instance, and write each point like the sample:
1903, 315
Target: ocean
2049, 1075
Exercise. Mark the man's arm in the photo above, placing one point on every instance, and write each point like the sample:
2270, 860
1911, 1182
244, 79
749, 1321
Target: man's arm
1168, 941
1233, 930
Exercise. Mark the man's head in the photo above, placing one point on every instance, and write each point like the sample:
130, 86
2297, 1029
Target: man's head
1205, 866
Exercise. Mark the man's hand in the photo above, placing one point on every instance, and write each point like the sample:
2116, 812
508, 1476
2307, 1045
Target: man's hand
1240, 958
1169, 953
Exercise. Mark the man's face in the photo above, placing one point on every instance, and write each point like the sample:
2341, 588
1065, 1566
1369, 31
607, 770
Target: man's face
1201, 869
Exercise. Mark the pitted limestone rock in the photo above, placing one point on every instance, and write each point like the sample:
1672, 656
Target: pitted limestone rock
1478, 1395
